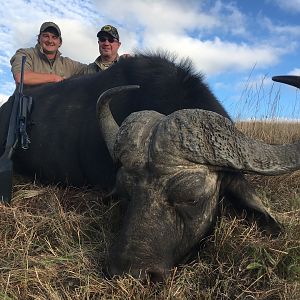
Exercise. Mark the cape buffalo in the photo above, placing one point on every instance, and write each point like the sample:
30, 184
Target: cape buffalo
67, 147
174, 170
66, 144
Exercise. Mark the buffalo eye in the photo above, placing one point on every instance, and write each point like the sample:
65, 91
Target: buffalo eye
182, 196
186, 188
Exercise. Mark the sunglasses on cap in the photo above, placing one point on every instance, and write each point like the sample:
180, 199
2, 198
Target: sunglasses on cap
102, 39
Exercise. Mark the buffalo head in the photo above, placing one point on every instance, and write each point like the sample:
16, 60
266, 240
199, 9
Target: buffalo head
174, 170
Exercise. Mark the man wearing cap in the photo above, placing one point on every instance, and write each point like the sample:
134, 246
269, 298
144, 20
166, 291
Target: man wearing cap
44, 62
109, 44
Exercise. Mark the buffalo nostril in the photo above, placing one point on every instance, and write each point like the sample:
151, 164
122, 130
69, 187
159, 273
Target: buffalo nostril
155, 276
106, 273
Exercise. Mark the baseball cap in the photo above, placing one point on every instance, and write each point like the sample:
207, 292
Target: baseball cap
109, 29
52, 25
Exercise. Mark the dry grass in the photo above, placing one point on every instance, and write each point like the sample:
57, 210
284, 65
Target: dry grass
54, 241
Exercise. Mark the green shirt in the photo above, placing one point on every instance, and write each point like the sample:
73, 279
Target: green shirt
98, 65
37, 61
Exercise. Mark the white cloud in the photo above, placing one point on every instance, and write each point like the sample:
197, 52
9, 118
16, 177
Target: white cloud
216, 56
3, 98
79, 40
282, 29
158, 16
176, 17
295, 71
185, 29
21, 29
181, 27
292, 6
231, 19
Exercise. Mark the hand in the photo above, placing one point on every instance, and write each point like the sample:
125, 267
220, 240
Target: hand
125, 55
57, 78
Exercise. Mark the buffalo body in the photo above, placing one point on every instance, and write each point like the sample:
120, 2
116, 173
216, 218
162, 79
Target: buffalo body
66, 144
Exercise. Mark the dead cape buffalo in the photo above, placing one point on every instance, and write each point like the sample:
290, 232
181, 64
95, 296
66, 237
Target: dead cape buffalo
68, 147
174, 171
66, 144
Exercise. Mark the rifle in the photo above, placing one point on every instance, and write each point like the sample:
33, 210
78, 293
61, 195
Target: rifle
16, 133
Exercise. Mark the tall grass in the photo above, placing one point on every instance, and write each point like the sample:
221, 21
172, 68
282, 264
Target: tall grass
54, 241
262, 100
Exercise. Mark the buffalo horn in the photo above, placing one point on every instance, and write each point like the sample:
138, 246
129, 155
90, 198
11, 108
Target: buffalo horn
204, 137
288, 79
108, 125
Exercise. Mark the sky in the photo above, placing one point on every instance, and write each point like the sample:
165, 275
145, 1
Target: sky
237, 45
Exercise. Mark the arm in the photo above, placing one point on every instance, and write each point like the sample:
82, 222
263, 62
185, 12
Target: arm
36, 71
32, 78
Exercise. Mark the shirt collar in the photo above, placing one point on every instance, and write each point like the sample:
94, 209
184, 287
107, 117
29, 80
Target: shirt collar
100, 63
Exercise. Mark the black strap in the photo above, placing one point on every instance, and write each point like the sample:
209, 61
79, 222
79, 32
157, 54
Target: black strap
11, 139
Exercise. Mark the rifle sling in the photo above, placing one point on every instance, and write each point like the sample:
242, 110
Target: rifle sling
11, 139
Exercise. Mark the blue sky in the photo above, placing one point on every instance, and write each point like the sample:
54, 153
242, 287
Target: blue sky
238, 45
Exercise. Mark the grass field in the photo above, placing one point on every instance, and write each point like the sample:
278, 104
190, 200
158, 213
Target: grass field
54, 241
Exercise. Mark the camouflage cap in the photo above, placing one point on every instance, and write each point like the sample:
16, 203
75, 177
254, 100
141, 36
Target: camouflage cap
109, 29
51, 25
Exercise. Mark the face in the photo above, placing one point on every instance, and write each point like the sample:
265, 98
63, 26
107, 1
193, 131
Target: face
108, 46
166, 218
49, 42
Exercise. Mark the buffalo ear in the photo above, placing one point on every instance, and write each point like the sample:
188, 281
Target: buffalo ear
243, 197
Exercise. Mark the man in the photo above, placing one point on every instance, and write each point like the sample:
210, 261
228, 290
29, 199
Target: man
44, 62
109, 44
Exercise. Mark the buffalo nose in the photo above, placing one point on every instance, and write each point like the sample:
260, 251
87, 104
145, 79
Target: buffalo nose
153, 275
156, 276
